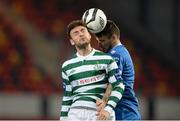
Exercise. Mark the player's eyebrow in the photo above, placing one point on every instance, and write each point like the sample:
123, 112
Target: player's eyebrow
75, 32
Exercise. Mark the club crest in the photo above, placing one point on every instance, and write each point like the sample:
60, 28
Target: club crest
97, 66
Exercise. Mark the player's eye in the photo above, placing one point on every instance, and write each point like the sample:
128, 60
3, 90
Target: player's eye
101, 40
83, 30
75, 33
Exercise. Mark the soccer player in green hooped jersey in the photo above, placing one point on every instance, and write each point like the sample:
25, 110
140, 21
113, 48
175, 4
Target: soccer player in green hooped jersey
85, 79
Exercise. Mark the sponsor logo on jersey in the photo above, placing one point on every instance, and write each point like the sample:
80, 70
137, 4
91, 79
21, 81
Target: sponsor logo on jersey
90, 80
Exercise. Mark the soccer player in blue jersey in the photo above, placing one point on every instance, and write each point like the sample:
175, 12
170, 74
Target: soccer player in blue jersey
109, 41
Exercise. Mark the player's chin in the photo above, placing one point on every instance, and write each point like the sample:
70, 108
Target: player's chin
102, 49
83, 45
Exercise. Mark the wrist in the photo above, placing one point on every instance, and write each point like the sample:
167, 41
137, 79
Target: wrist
105, 100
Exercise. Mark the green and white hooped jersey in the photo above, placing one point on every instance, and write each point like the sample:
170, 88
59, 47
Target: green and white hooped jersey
85, 80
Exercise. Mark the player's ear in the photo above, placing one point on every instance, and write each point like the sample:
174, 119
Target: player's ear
72, 42
114, 37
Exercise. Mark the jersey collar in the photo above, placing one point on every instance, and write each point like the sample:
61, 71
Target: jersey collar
84, 57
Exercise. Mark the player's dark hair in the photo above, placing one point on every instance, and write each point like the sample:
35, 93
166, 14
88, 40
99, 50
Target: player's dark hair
110, 29
74, 24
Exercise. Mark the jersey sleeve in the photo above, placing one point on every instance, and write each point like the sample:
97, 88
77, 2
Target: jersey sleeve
67, 97
119, 60
115, 79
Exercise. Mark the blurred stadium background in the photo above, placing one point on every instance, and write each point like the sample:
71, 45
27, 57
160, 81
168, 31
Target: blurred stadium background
33, 46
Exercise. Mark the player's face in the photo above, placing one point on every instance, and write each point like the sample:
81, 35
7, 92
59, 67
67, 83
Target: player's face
80, 37
104, 43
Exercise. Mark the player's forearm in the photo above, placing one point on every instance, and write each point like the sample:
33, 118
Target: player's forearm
107, 93
116, 95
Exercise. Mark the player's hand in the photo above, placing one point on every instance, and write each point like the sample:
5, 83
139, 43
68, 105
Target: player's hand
103, 115
100, 104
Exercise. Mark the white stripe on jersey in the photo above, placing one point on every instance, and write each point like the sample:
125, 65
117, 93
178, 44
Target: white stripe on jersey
112, 103
122, 85
66, 98
65, 108
112, 66
116, 94
84, 103
73, 60
94, 57
64, 76
100, 57
84, 67
85, 88
93, 97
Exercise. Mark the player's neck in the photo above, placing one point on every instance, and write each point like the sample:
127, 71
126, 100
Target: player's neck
85, 51
115, 42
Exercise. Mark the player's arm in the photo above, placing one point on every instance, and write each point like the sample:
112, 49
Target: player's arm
116, 81
101, 103
67, 97
117, 90
107, 93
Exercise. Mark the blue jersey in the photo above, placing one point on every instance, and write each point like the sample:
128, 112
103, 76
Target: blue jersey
127, 108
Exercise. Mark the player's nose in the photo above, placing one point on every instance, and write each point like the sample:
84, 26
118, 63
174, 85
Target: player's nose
81, 34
